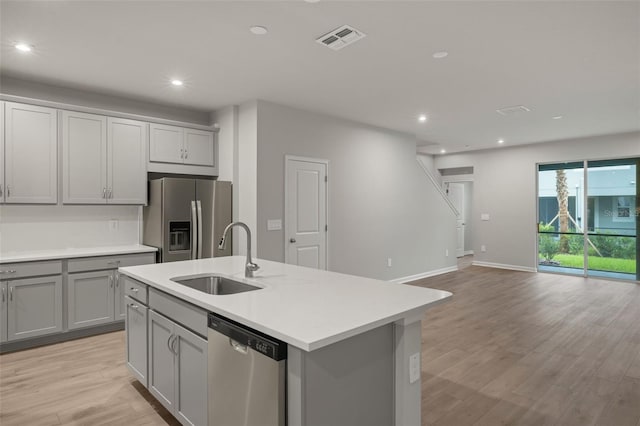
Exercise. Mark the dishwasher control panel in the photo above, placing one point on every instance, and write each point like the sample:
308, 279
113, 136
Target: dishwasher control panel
259, 342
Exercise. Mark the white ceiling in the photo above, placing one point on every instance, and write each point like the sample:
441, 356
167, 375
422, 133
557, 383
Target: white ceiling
577, 59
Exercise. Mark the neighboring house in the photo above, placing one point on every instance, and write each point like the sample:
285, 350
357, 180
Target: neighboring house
611, 198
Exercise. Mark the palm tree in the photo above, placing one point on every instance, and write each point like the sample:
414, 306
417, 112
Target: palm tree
563, 209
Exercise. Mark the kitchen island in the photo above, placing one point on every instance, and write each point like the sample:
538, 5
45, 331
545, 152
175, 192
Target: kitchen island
353, 342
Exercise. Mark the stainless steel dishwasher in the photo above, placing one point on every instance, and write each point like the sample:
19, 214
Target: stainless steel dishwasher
246, 376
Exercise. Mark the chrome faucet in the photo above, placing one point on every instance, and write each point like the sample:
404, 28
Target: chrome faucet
250, 267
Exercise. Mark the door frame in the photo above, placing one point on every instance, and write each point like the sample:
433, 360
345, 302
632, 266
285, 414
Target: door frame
461, 179
288, 158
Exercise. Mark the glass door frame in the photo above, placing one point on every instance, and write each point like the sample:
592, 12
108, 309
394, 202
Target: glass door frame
584, 211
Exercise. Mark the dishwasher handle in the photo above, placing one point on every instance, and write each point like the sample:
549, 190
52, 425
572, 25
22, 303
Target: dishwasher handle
239, 347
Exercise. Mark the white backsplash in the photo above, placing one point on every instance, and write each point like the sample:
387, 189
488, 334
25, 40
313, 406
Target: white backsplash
44, 227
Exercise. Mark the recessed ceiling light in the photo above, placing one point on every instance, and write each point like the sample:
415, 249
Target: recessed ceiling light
177, 82
442, 151
312, 1
500, 141
23, 47
422, 118
258, 30
557, 117
441, 54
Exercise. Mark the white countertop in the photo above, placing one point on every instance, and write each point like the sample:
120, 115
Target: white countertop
66, 253
306, 308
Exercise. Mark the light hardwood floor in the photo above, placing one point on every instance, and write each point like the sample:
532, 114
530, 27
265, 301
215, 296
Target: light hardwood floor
510, 348
531, 349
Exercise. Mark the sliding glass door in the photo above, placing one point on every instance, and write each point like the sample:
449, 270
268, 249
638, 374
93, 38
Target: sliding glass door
588, 218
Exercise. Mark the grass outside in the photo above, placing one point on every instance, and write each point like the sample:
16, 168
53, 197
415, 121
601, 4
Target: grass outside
627, 266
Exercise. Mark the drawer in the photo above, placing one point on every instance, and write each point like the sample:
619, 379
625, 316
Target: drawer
110, 262
9, 271
179, 311
135, 289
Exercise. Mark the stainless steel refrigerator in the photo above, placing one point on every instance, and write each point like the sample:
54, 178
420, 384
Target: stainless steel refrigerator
185, 218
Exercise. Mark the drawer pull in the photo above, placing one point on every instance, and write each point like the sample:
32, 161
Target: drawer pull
134, 306
135, 290
115, 262
8, 271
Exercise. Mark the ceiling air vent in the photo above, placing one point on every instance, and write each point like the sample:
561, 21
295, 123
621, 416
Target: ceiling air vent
341, 37
510, 110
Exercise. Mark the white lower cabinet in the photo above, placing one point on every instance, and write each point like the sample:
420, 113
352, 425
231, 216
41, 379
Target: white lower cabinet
91, 298
177, 369
136, 324
33, 307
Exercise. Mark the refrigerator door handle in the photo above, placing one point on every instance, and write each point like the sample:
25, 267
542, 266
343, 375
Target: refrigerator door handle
194, 226
199, 207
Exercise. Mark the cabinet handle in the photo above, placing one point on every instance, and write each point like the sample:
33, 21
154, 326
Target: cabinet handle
11, 293
111, 281
134, 306
8, 191
169, 343
182, 153
173, 345
110, 193
117, 278
3, 294
135, 290
104, 192
8, 271
186, 153
0, 190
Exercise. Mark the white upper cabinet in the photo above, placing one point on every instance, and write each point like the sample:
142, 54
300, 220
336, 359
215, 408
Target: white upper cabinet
1, 152
126, 160
103, 159
30, 154
84, 158
199, 148
175, 149
165, 143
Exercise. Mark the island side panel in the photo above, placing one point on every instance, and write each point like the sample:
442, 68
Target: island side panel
408, 396
350, 382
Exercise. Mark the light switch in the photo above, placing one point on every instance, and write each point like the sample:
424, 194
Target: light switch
274, 225
484, 216
414, 367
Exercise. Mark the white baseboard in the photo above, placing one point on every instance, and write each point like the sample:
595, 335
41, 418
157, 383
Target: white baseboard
503, 266
427, 274
468, 252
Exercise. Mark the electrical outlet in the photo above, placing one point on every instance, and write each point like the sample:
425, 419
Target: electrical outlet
484, 216
274, 225
446, 252
389, 262
414, 367
113, 225
483, 248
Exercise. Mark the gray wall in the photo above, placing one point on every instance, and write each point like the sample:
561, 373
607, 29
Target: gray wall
46, 92
505, 187
380, 202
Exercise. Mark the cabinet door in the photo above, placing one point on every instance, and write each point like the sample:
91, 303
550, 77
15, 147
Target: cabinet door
136, 325
3, 312
1, 152
161, 359
119, 306
126, 161
90, 299
84, 158
31, 155
199, 148
165, 143
34, 307
191, 401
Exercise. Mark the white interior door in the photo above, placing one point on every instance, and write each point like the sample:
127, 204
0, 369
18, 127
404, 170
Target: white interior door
456, 195
306, 212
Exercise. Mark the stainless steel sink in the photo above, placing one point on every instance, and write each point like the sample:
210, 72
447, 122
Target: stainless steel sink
215, 284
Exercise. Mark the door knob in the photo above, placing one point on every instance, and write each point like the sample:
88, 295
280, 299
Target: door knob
292, 240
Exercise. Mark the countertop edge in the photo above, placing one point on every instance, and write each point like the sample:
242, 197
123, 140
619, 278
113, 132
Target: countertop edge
59, 254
